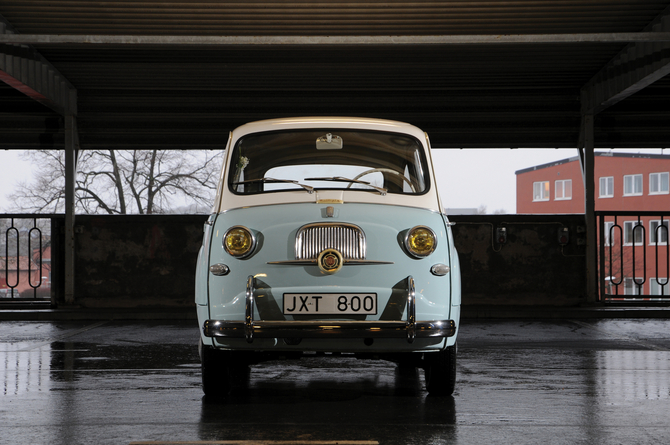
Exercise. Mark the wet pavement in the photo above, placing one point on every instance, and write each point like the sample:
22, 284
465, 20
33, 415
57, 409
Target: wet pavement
519, 382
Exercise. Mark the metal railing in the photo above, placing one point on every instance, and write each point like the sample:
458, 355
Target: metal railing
26, 252
633, 256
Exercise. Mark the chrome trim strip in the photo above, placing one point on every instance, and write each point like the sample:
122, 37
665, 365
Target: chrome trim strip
313, 262
249, 310
330, 329
427, 209
411, 310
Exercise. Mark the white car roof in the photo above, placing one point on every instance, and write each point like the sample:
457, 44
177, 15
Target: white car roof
362, 123
226, 200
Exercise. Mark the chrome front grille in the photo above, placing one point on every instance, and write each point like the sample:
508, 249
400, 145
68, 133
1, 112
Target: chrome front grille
312, 239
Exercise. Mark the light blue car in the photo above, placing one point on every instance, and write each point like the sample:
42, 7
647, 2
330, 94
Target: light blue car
327, 236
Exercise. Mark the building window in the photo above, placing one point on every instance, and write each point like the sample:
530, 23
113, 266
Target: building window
610, 233
541, 191
631, 286
658, 183
658, 232
658, 286
633, 233
607, 187
632, 185
563, 189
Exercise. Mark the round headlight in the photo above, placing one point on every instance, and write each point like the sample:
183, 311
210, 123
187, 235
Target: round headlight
420, 241
238, 241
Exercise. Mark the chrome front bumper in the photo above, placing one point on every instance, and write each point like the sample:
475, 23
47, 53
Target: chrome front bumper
409, 328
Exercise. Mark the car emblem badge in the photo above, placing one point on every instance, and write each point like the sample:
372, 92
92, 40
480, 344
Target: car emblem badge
330, 261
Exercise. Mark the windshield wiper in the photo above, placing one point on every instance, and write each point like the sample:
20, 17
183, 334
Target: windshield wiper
382, 191
275, 181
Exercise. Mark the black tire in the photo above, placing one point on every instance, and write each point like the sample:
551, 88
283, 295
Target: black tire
440, 369
215, 372
408, 362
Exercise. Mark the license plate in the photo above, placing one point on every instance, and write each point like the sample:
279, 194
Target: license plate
330, 304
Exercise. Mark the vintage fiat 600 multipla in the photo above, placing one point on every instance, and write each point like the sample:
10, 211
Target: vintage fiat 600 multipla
328, 237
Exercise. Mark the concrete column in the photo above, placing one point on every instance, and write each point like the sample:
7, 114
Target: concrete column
70, 172
588, 170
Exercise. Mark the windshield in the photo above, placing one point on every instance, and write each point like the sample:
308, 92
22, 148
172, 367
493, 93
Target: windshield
308, 160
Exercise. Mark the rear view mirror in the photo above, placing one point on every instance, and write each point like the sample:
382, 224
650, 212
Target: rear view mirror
329, 142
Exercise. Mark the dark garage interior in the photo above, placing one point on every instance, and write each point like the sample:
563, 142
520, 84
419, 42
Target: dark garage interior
108, 75
110, 355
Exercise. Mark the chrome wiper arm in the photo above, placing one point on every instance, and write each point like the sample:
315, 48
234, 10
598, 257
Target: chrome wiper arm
268, 180
382, 191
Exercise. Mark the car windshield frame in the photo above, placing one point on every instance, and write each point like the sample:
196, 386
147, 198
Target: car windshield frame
397, 159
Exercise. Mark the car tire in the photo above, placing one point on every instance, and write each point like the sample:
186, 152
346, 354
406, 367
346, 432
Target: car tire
215, 372
440, 370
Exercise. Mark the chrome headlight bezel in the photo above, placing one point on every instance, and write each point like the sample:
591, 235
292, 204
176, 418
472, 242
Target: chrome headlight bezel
248, 250
412, 251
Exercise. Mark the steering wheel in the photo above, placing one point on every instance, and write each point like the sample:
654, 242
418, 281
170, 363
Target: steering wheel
384, 170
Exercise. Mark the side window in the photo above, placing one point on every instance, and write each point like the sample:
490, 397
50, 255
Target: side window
658, 183
541, 191
631, 286
658, 286
632, 185
606, 187
633, 233
563, 190
658, 232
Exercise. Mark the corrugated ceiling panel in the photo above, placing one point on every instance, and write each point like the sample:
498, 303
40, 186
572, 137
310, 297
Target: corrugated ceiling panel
258, 17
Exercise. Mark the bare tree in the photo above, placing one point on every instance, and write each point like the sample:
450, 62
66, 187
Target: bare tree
120, 181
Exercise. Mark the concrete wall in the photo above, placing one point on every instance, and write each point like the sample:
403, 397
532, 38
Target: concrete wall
530, 268
136, 261
148, 261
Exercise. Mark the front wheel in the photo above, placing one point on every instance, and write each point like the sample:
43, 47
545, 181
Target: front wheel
215, 367
440, 370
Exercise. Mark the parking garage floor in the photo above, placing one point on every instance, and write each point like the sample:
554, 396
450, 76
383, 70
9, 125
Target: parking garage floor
519, 382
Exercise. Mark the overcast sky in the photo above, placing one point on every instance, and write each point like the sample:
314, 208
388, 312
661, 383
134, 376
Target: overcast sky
466, 178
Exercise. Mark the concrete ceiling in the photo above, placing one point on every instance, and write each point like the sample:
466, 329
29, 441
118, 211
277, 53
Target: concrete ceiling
181, 75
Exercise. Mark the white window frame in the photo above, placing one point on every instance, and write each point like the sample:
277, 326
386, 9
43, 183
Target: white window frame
563, 185
631, 288
608, 226
655, 286
541, 193
629, 232
630, 185
653, 225
606, 187
662, 183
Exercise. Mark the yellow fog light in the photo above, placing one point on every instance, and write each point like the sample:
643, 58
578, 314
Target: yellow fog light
420, 241
239, 242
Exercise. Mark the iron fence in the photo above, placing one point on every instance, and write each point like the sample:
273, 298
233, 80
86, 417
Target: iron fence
633, 256
27, 248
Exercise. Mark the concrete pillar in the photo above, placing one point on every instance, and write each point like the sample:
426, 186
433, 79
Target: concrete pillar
71, 143
588, 170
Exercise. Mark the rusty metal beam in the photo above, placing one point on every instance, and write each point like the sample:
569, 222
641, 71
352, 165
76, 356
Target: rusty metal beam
637, 66
24, 69
361, 40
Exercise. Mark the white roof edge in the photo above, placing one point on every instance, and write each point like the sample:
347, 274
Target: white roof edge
329, 121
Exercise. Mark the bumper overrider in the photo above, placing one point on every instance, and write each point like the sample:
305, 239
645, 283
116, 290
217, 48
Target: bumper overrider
374, 329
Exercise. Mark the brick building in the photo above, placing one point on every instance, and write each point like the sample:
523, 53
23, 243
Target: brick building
632, 199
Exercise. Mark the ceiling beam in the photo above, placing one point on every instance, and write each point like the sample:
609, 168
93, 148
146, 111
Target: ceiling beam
59, 39
26, 70
637, 66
